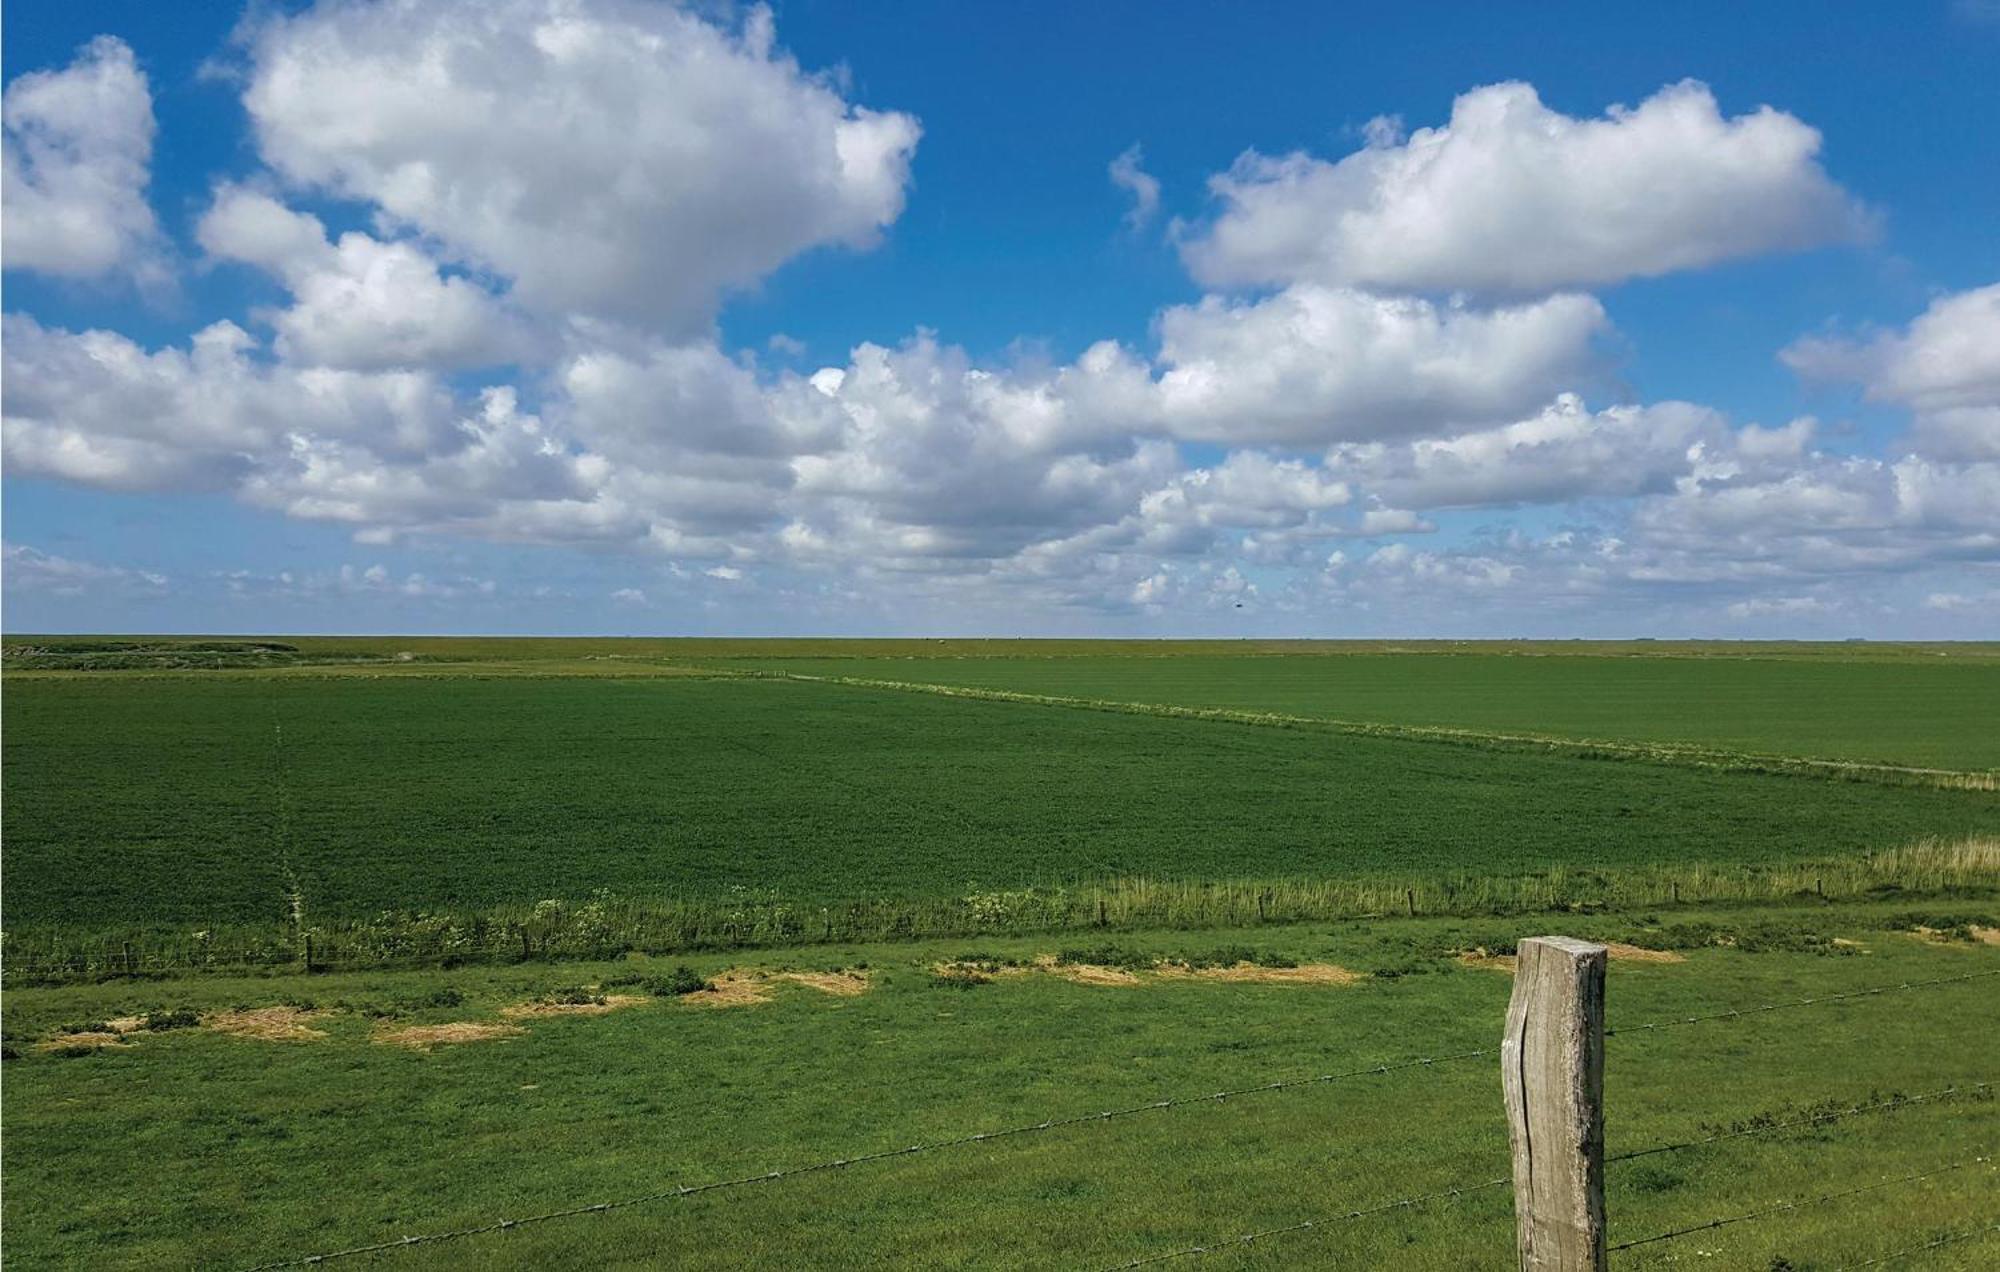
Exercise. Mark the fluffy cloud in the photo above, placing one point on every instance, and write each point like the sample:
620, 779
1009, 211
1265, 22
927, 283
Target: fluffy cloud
1945, 368
1512, 198
1320, 364
610, 158
78, 145
1562, 453
359, 304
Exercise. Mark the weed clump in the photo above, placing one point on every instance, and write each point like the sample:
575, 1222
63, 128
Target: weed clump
679, 983
178, 1018
1118, 956
574, 996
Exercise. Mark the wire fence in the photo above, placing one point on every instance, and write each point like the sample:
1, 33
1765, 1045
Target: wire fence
1936, 1243
1326, 1222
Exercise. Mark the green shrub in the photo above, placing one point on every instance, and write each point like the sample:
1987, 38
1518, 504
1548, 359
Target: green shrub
574, 996
681, 981
178, 1018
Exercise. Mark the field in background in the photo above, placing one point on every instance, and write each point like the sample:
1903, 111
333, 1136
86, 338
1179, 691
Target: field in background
279, 804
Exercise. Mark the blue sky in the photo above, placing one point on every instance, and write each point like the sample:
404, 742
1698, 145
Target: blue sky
1307, 428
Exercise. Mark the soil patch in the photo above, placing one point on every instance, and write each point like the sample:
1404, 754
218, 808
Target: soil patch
1623, 953
1251, 973
73, 1041
843, 983
271, 1024
424, 1037
731, 989
1616, 951
536, 1010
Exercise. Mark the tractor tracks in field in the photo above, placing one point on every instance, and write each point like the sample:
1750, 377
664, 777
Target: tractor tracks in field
281, 807
1673, 754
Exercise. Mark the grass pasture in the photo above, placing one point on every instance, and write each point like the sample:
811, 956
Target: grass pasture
922, 915
196, 1147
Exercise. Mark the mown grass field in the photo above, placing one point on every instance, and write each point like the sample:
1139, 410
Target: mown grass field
196, 1147
744, 806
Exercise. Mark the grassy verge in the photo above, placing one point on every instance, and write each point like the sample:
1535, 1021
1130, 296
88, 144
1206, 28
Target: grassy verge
1956, 871
194, 1146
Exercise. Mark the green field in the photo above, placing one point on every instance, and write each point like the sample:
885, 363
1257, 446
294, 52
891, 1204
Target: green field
452, 829
191, 801
193, 1147
1936, 713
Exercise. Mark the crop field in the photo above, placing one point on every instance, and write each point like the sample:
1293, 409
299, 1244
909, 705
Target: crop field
205, 799
1935, 712
314, 944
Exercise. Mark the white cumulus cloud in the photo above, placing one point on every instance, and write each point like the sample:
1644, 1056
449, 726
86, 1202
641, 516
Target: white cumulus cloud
79, 144
1512, 198
610, 158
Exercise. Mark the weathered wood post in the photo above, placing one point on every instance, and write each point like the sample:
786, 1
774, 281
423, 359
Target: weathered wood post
1552, 1071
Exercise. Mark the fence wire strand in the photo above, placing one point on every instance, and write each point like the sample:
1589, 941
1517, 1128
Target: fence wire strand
1816, 1119
1812, 1119
1950, 1238
1250, 1238
1786, 1206
1786, 1005
956, 1141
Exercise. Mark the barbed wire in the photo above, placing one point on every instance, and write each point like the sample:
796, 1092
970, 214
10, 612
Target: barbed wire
1250, 1238
1783, 1207
1403, 1203
1814, 1001
1811, 1119
1949, 1238
955, 1141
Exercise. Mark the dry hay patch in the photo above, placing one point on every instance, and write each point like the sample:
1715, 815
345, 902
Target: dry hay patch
541, 1008
745, 987
732, 988
1255, 974
844, 984
1623, 953
1084, 973
1986, 935
126, 1024
79, 1041
424, 1037
269, 1024
1616, 951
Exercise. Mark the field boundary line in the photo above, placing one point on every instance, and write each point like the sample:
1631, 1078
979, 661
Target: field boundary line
1667, 753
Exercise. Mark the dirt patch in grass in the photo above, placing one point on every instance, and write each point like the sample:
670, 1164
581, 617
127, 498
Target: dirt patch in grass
75, 1042
127, 1024
1084, 973
1986, 935
1623, 953
843, 983
731, 989
269, 1024
1616, 951
424, 1037
744, 987
1251, 973
539, 1009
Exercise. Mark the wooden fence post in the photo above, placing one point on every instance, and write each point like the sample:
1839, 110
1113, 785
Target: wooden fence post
1552, 1072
